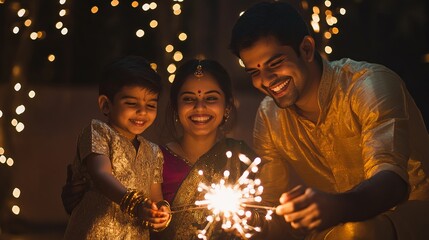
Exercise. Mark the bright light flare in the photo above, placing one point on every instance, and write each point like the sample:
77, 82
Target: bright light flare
230, 202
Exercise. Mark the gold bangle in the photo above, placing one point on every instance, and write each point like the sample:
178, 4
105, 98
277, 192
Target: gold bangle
163, 203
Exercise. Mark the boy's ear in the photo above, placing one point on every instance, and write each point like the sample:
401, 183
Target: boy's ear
308, 48
104, 104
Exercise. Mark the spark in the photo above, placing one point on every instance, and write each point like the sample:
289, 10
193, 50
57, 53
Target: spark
230, 203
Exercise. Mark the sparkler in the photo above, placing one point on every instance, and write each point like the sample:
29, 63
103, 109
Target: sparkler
230, 203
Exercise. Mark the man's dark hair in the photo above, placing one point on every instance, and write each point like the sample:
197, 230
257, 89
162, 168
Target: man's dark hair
278, 19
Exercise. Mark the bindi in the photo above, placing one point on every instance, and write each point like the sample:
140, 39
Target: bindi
259, 65
199, 92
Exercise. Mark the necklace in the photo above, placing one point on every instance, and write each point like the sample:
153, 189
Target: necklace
185, 156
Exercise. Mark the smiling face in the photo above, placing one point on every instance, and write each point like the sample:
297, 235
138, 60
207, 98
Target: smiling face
278, 71
201, 105
132, 111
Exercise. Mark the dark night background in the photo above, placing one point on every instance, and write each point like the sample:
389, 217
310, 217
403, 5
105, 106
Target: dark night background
394, 33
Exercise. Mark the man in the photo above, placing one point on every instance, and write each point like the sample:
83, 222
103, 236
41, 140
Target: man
344, 140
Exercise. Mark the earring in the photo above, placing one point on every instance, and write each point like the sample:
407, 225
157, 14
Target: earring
226, 115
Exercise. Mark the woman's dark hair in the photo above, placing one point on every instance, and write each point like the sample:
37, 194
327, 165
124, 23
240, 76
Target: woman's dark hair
220, 75
128, 71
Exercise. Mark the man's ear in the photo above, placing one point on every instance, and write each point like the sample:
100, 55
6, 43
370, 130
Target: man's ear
307, 48
104, 104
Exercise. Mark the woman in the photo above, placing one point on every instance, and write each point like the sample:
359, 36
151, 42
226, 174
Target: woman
202, 108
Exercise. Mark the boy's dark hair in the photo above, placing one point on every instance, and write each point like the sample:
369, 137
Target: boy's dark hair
128, 71
278, 19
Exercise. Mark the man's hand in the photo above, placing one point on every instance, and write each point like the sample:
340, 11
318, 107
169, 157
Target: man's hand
309, 209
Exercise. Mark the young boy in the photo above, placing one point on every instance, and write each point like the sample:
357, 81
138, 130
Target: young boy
123, 169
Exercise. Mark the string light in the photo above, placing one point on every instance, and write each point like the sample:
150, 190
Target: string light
169, 48
140, 33
171, 68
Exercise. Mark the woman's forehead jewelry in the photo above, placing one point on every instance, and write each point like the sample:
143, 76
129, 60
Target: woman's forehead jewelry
259, 65
199, 71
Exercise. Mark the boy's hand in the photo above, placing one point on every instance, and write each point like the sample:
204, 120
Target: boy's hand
162, 216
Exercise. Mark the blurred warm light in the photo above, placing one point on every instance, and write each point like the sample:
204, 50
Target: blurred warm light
335, 30
153, 5
1, 115
183, 36
169, 48
64, 31
62, 2
135, 4
176, 7
114, 3
2, 1
14, 122
27, 22
315, 17
59, 25
153, 24
15, 30
316, 10
21, 12
315, 26
31, 94
17, 87
16, 70
171, 78
178, 56
41, 34
146, 7
328, 12
33, 36
62, 12
51, 57
20, 109
328, 50
9, 162
2, 159
327, 3
342, 11
241, 13
171, 68
15, 210
327, 35
16, 192
19, 127
140, 33
154, 66
94, 9
1, 149
304, 5
240, 62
